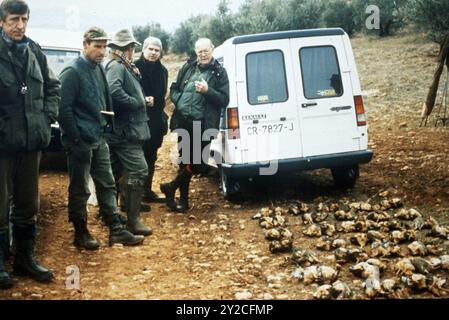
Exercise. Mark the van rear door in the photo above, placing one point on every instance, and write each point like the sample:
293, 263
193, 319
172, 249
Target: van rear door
269, 127
325, 97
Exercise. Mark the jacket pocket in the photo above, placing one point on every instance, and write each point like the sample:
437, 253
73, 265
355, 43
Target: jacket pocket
137, 131
7, 79
42, 131
37, 83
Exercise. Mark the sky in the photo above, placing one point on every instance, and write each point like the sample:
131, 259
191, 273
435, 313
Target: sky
113, 15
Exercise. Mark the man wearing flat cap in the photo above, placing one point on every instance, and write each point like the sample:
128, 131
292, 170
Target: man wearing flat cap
85, 117
131, 126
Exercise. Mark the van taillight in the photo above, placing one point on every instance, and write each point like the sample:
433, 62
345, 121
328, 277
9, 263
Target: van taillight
233, 124
360, 111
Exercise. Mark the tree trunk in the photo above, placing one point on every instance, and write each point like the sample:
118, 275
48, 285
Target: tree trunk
443, 58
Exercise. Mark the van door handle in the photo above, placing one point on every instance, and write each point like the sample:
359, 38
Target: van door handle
307, 105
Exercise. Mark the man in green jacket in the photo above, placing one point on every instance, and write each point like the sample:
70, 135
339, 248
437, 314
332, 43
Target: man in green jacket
200, 94
29, 97
131, 126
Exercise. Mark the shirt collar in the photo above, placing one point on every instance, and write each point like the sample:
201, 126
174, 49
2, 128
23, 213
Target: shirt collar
91, 64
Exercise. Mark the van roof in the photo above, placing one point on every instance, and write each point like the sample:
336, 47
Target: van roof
56, 39
288, 35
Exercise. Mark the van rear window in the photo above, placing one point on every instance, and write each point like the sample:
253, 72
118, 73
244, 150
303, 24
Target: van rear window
320, 72
58, 59
266, 79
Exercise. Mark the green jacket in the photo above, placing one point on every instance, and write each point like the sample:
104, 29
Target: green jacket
25, 119
191, 105
80, 109
131, 119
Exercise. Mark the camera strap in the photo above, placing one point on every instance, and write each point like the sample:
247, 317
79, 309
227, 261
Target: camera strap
20, 80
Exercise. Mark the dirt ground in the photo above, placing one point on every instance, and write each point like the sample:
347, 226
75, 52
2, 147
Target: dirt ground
217, 251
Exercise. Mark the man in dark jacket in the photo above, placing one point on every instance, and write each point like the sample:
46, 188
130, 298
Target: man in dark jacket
29, 96
154, 84
200, 94
85, 116
131, 121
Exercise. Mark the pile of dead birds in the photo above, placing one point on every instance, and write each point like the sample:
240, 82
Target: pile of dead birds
394, 251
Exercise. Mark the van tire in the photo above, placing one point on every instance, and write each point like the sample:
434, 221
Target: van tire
345, 177
230, 187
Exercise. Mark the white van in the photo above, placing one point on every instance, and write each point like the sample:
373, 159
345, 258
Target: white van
60, 47
295, 104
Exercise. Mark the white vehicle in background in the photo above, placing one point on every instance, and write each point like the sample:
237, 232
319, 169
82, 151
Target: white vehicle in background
295, 104
60, 48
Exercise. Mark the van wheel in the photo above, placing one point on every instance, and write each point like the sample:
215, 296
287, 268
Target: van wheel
230, 187
345, 177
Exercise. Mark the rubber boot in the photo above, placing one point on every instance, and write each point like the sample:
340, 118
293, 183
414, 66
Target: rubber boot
119, 235
83, 239
25, 262
183, 205
121, 190
149, 195
133, 200
5, 279
169, 189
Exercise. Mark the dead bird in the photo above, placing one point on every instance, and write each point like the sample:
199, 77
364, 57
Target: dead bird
389, 286
273, 234
416, 281
343, 215
323, 292
298, 208
323, 244
396, 203
378, 249
444, 262
365, 270
359, 239
404, 267
417, 248
313, 231
419, 223
283, 245
372, 286
338, 243
433, 249
437, 230
378, 216
328, 229
341, 290
421, 265
347, 227
405, 214
304, 257
437, 286
374, 235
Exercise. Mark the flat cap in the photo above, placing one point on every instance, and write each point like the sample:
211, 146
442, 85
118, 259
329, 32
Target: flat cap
95, 34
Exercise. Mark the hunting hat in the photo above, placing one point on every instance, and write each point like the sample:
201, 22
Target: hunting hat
95, 34
123, 38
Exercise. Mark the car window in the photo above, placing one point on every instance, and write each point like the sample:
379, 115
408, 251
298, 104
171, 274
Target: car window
320, 72
58, 59
266, 79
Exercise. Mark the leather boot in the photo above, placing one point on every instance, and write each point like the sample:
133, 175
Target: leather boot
119, 235
25, 262
133, 198
83, 238
169, 189
149, 195
183, 205
5, 279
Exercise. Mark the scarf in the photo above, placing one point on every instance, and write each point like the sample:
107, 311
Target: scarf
17, 47
128, 64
